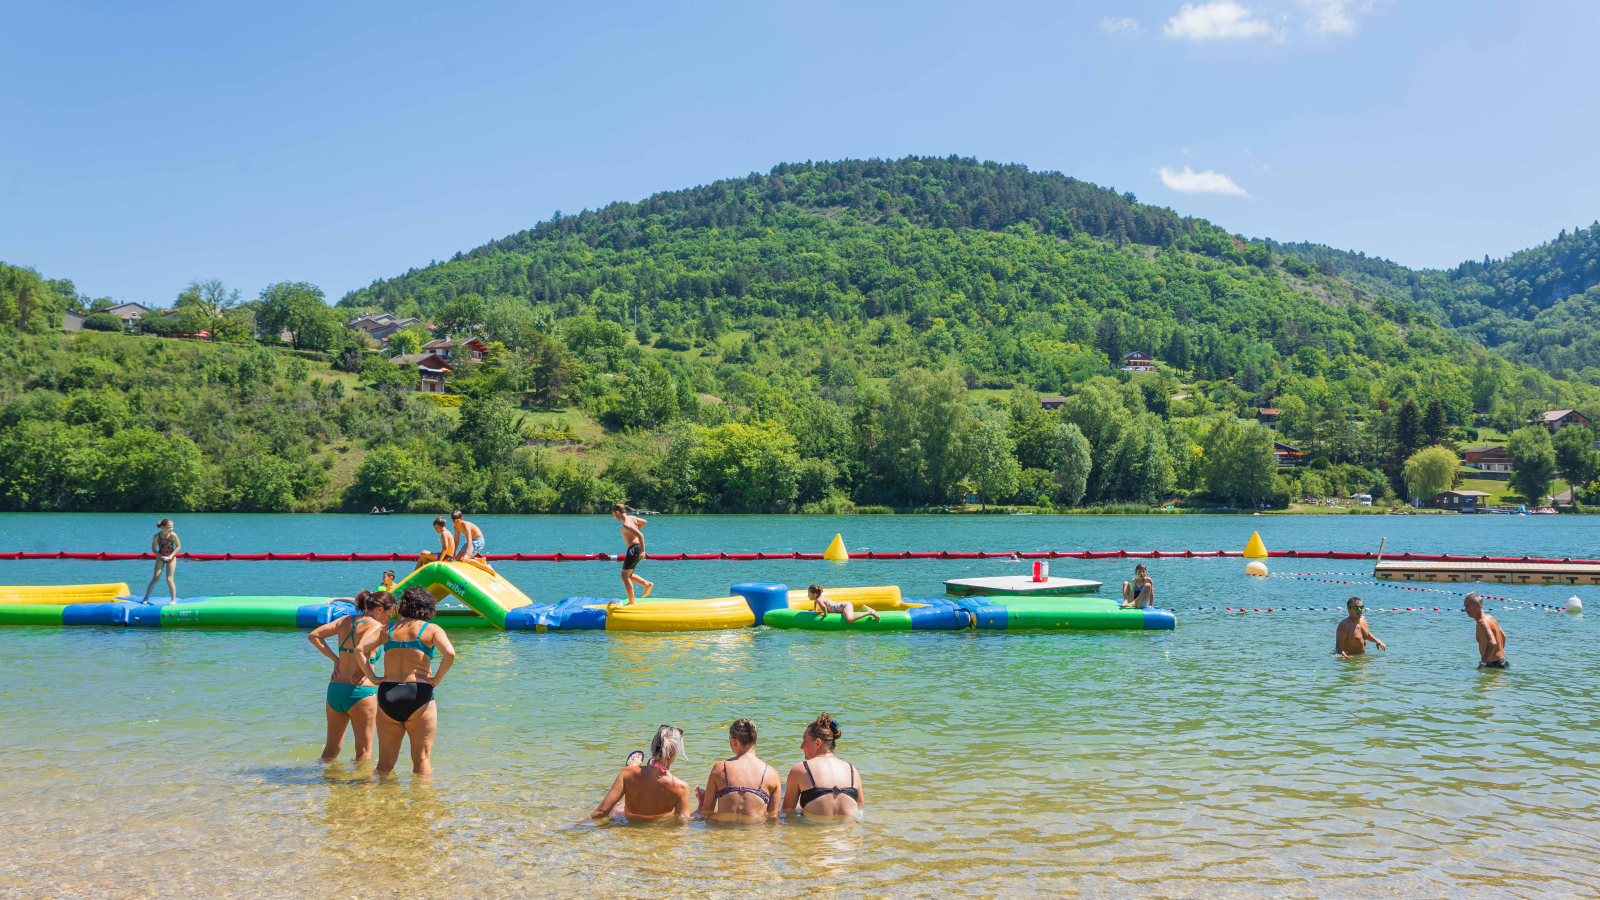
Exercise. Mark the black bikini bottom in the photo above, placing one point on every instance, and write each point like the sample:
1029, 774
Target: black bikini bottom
401, 700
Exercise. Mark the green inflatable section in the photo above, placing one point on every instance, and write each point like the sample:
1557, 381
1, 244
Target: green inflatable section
268, 612
892, 620
30, 614
1068, 613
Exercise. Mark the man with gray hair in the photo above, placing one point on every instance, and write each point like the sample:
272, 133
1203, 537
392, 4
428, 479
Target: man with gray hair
1491, 637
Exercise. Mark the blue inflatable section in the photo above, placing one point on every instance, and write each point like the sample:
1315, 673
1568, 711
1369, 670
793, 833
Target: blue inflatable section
938, 614
1159, 620
312, 615
763, 597
113, 613
571, 614
986, 616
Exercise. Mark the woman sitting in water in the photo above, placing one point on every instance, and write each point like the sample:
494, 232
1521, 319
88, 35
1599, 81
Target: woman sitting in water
649, 791
1141, 592
350, 700
405, 696
743, 787
821, 605
823, 786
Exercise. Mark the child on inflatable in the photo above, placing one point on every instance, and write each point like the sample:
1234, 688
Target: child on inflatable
821, 605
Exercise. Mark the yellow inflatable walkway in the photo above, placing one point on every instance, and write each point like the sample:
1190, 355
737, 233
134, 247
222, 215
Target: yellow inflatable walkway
880, 598
679, 615
61, 595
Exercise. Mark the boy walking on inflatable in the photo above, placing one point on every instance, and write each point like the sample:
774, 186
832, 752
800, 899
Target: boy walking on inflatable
634, 538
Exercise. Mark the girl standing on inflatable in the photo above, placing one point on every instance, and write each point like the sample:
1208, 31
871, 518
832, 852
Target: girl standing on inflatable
351, 699
823, 786
166, 546
405, 694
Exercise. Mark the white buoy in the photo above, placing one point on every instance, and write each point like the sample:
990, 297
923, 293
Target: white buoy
1574, 605
1256, 567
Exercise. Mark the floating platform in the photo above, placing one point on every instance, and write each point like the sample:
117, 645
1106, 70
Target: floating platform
1019, 586
1501, 571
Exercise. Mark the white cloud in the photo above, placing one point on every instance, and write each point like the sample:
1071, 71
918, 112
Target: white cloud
1208, 182
1219, 19
1121, 27
1334, 16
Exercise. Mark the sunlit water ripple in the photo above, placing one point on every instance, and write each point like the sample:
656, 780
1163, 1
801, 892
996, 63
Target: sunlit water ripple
1233, 757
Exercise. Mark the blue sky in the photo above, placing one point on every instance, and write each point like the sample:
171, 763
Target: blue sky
338, 143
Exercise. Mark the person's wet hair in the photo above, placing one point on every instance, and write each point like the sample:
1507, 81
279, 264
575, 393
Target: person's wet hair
455, 514
361, 599
164, 523
824, 729
439, 522
667, 745
743, 731
1140, 570
814, 591
619, 507
1352, 602
417, 603
389, 574
1472, 598
381, 600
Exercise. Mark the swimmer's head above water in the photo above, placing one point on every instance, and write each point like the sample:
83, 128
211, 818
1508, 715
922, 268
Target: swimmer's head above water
417, 603
666, 746
821, 735
742, 733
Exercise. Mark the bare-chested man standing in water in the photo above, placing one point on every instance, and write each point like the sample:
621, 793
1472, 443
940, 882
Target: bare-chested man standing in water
1491, 637
634, 538
1353, 634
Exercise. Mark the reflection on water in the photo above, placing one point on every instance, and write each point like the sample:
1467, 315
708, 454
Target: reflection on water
1234, 757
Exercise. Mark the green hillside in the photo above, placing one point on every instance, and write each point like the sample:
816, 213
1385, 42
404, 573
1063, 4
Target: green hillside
832, 334
1540, 306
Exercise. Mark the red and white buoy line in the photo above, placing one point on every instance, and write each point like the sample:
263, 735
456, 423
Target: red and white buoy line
1315, 576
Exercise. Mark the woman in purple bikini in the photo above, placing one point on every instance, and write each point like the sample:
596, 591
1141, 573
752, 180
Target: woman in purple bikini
742, 788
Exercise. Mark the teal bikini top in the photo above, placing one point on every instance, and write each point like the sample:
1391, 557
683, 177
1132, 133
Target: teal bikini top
355, 621
417, 644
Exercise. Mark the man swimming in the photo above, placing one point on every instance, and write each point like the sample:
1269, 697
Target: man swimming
447, 545
469, 541
1353, 634
634, 538
1491, 637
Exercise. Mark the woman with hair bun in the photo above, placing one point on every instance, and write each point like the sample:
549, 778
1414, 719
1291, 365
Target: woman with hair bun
823, 786
741, 787
350, 698
648, 790
405, 696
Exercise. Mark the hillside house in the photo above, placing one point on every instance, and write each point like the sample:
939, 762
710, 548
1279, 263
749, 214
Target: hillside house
1138, 362
1052, 403
430, 366
1460, 501
381, 326
1557, 419
453, 348
72, 321
129, 313
1268, 417
1487, 459
1288, 457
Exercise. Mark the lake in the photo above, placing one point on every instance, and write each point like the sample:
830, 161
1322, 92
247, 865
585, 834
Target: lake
1232, 757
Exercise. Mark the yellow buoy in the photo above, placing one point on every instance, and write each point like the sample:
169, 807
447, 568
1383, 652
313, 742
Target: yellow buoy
1256, 567
836, 551
1255, 549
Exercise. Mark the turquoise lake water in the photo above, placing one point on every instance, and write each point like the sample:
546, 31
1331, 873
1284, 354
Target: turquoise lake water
1232, 757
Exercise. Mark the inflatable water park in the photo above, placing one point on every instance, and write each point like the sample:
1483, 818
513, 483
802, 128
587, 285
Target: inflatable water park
492, 601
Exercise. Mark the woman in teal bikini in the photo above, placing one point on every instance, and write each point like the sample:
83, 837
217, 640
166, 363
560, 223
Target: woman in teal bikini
350, 692
405, 696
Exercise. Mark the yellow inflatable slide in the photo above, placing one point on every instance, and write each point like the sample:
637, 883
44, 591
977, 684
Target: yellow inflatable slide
61, 595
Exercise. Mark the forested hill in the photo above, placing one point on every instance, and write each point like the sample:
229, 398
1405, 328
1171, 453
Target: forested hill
1540, 306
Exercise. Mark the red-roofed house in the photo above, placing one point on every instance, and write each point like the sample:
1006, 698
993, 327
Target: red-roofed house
1288, 457
430, 366
1488, 459
1138, 362
450, 348
1268, 416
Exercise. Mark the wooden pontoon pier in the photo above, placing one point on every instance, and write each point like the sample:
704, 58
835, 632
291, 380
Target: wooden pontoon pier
1495, 571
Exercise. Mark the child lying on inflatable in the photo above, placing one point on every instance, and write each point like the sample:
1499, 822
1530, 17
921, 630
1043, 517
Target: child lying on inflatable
821, 605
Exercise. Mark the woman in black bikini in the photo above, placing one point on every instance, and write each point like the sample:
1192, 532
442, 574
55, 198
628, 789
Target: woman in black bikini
405, 693
742, 788
823, 786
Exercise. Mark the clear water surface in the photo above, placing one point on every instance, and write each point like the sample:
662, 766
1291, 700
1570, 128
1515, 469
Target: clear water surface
1233, 757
